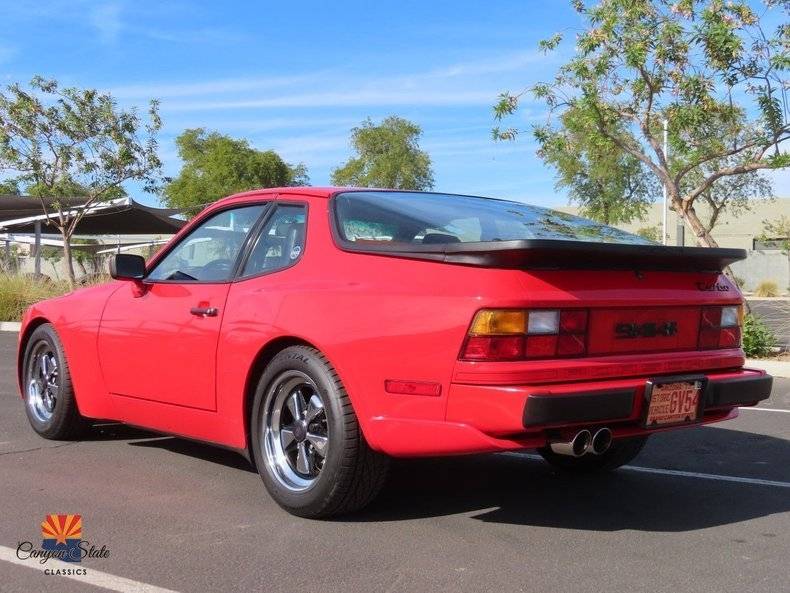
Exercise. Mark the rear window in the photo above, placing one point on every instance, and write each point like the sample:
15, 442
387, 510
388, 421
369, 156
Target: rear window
372, 217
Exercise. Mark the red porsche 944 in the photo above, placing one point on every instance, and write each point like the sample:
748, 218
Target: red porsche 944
323, 331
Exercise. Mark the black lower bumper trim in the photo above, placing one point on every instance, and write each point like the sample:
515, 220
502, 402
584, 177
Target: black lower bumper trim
617, 404
739, 391
590, 406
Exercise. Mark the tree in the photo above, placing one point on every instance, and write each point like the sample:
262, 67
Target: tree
54, 138
609, 185
9, 187
779, 231
388, 156
68, 188
735, 195
708, 67
216, 165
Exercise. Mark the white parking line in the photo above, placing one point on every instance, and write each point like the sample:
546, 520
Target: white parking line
93, 577
676, 472
767, 410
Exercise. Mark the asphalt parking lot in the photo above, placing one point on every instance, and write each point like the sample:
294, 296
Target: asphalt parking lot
189, 517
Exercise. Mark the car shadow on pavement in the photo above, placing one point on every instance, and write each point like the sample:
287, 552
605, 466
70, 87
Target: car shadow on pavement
513, 489
525, 491
199, 450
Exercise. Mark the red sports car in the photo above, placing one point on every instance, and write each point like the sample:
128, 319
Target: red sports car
322, 331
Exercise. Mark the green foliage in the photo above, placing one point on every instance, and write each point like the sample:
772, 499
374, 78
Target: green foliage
216, 165
608, 184
17, 293
387, 156
767, 288
758, 339
779, 229
64, 139
68, 188
651, 233
709, 67
9, 187
734, 195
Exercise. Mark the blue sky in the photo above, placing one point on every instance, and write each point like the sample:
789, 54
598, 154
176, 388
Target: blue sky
296, 77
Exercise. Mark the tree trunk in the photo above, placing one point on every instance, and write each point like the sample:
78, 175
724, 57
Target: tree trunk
689, 216
67, 256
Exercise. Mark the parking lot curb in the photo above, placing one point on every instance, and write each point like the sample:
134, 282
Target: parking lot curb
10, 326
776, 368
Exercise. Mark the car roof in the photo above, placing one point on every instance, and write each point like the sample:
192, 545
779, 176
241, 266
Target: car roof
318, 192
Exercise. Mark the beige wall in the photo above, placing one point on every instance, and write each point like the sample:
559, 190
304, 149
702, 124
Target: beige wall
730, 231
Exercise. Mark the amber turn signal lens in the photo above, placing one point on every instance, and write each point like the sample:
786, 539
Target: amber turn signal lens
498, 322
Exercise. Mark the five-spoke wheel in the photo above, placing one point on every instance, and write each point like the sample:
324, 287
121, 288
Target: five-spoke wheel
296, 436
42, 382
49, 397
306, 440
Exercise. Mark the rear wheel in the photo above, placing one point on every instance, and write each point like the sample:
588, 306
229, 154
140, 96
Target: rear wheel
306, 440
621, 452
49, 396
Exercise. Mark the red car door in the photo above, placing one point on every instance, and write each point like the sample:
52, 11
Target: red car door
158, 341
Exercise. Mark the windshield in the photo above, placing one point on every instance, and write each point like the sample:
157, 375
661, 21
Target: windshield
379, 217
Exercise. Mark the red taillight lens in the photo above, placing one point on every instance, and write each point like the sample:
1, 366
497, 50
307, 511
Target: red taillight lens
730, 337
571, 345
541, 346
507, 334
494, 348
720, 327
573, 322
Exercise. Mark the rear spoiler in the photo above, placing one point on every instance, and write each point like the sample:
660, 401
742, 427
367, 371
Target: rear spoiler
548, 254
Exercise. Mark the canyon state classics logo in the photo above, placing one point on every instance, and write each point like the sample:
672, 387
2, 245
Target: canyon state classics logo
63, 534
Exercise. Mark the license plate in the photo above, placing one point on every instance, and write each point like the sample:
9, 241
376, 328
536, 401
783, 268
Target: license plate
671, 403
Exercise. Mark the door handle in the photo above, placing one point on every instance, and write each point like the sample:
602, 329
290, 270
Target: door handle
204, 311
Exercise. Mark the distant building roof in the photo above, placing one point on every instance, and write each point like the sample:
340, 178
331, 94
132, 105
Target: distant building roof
122, 216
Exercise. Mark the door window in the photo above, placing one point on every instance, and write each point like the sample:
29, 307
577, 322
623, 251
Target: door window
280, 243
209, 252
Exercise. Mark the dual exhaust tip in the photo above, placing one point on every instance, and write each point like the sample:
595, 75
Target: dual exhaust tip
584, 442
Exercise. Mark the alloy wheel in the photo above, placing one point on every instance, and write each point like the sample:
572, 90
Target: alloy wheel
42, 382
295, 431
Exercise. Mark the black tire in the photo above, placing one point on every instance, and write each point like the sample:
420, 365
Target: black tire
63, 421
351, 474
621, 452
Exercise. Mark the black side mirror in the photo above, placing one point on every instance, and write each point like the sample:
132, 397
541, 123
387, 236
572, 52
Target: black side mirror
125, 266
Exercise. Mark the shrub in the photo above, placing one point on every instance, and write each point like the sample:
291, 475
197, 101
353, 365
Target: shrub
758, 339
18, 292
739, 282
767, 288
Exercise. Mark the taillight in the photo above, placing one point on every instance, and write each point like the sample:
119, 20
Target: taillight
511, 334
720, 327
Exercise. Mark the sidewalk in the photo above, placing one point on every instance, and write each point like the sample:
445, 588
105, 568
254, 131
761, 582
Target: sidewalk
776, 368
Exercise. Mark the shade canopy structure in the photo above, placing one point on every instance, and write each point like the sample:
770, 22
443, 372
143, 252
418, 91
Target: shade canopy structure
123, 216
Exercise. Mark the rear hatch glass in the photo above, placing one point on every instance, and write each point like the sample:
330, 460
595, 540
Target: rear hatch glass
398, 218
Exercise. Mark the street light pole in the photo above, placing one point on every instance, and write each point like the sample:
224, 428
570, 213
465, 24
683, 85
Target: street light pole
664, 208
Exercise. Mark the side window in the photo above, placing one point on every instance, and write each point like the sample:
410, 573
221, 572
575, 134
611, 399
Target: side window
209, 252
280, 243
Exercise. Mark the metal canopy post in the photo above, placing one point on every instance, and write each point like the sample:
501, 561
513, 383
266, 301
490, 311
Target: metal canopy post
37, 247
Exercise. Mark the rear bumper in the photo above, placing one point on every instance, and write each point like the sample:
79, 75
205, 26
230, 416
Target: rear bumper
617, 404
488, 418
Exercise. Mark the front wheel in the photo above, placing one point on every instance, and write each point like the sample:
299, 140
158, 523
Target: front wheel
306, 439
49, 396
621, 452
